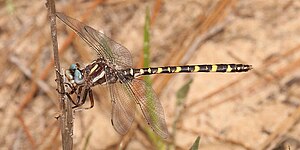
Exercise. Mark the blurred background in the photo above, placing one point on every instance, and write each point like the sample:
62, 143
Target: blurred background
254, 110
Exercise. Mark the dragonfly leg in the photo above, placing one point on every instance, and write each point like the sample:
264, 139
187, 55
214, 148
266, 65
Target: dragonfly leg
90, 92
68, 95
78, 94
70, 98
73, 89
81, 100
91, 96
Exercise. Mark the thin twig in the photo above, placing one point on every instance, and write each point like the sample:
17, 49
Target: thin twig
66, 118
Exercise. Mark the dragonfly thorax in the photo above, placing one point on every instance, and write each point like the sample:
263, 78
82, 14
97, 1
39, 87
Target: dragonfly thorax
97, 72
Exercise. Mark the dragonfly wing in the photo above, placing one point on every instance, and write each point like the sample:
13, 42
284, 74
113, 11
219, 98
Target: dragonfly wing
151, 107
103, 45
116, 53
123, 108
79, 28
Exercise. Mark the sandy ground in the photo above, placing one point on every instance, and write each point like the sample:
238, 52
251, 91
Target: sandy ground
259, 109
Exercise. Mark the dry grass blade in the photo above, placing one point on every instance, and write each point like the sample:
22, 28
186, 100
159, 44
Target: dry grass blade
284, 127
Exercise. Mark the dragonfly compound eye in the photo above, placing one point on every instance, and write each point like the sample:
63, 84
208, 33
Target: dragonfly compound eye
73, 67
78, 78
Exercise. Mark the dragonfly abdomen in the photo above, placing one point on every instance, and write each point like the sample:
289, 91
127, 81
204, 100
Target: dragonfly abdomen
193, 68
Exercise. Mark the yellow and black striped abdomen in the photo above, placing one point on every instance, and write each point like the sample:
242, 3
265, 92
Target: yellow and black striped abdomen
193, 68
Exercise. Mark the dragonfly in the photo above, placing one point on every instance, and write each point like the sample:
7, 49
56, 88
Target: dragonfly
113, 68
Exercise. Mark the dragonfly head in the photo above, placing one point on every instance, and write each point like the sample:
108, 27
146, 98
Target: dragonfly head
74, 74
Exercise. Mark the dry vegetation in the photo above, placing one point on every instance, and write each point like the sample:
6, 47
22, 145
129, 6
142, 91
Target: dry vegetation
255, 110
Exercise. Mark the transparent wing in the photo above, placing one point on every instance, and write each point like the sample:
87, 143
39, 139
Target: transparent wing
103, 45
123, 108
151, 107
114, 51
